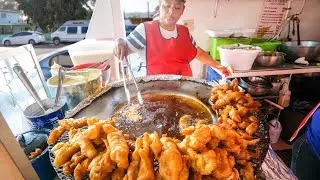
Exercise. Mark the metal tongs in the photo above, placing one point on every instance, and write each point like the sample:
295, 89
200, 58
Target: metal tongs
139, 96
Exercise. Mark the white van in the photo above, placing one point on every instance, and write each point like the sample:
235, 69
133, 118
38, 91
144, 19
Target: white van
70, 31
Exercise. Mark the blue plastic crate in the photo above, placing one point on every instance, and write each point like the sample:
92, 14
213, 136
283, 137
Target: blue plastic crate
213, 75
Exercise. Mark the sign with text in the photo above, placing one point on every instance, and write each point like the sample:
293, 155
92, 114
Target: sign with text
271, 17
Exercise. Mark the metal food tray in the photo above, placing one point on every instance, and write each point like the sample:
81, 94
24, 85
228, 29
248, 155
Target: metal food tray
104, 104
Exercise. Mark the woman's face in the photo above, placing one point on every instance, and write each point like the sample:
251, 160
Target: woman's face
171, 11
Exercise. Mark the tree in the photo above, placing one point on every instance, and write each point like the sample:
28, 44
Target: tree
92, 2
50, 14
8, 4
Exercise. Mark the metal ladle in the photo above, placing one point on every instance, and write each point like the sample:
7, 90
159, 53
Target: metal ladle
140, 100
60, 82
124, 82
24, 79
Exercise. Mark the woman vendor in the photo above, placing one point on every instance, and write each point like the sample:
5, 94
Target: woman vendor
164, 46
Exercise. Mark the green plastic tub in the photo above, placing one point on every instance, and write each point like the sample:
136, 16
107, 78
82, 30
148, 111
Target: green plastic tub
216, 42
266, 45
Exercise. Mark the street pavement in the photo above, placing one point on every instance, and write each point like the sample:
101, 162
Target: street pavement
43, 48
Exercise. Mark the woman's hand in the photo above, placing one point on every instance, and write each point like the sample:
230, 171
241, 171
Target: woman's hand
121, 49
207, 59
226, 71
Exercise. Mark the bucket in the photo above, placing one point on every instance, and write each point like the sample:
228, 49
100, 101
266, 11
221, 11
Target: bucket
216, 42
212, 75
75, 91
31, 140
239, 56
274, 131
48, 119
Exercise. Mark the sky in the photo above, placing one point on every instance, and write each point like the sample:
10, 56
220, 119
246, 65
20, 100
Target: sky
139, 5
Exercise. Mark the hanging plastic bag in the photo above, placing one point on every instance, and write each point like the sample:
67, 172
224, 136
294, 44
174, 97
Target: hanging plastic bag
274, 131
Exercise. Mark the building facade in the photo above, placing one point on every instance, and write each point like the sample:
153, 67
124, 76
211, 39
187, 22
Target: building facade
11, 22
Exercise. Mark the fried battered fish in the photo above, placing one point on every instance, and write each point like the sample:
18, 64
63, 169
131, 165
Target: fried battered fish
171, 163
199, 138
224, 167
69, 167
183, 121
55, 134
118, 174
203, 163
57, 147
146, 171
87, 148
103, 168
132, 172
155, 145
65, 153
119, 149
252, 128
247, 155
247, 171
73, 123
81, 169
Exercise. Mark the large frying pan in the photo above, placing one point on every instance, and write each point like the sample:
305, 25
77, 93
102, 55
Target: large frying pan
108, 102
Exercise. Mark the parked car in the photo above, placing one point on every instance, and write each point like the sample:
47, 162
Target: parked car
24, 38
70, 31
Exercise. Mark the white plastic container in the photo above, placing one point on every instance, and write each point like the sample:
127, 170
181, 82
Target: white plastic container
54, 69
91, 51
231, 32
240, 57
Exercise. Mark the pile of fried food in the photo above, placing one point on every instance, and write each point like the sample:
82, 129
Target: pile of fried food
235, 109
207, 151
35, 153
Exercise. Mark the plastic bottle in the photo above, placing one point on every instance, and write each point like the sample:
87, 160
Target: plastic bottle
54, 69
284, 96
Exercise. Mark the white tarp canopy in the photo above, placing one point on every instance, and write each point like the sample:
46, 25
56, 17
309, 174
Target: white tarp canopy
107, 20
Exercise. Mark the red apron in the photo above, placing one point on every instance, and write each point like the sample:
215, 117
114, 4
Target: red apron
168, 56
